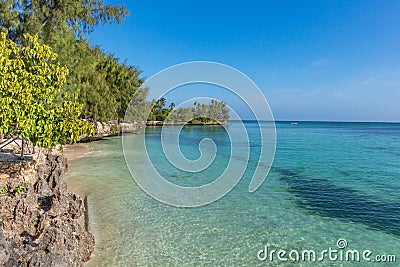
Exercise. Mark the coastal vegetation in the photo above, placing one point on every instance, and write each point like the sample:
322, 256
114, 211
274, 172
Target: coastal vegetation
29, 82
103, 85
212, 113
51, 75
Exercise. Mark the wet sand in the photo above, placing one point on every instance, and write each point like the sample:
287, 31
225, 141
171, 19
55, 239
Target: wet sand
76, 151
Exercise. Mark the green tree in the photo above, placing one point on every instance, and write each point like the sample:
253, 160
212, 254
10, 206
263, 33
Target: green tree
138, 107
29, 81
215, 112
161, 103
122, 82
51, 19
103, 85
61, 24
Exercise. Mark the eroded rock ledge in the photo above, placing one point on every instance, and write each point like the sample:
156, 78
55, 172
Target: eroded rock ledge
44, 224
104, 129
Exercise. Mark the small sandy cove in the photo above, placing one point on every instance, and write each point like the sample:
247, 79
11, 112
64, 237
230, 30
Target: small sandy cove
75, 151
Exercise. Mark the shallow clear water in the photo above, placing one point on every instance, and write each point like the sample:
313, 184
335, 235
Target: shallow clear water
329, 181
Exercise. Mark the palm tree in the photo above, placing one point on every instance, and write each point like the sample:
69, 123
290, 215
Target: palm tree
161, 103
154, 104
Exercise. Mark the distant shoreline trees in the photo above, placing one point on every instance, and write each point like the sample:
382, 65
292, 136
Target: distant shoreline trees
216, 112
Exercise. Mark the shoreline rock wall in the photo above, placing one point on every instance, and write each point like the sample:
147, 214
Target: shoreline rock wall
42, 224
104, 129
193, 123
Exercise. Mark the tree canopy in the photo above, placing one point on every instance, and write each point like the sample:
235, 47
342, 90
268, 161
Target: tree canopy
110, 89
29, 81
52, 18
103, 84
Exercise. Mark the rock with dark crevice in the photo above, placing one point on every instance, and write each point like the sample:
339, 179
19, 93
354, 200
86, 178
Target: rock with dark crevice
44, 225
4, 254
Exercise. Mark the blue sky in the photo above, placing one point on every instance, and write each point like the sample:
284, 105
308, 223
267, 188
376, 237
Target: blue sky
313, 60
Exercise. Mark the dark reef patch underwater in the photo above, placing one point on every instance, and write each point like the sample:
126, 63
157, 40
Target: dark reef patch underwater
328, 199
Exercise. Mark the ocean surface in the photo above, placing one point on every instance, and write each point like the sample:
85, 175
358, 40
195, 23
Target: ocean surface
333, 186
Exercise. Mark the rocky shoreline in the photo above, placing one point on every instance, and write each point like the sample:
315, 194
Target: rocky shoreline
104, 129
42, 223
195, 123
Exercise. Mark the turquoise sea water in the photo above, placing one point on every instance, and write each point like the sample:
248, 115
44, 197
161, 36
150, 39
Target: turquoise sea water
329, 181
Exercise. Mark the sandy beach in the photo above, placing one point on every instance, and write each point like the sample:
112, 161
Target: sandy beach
76, 151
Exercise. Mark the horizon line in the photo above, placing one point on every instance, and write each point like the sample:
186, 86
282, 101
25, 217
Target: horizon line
337, 121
